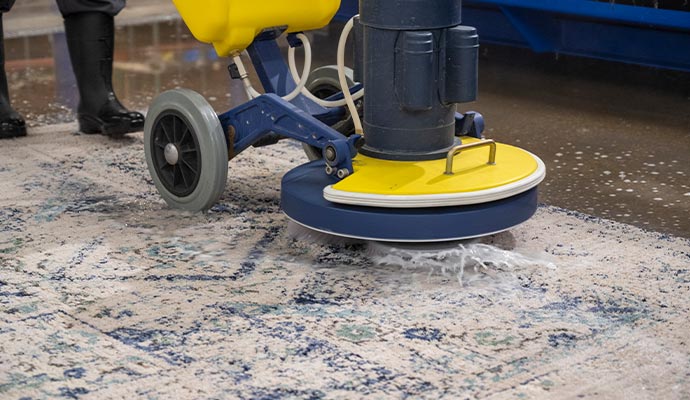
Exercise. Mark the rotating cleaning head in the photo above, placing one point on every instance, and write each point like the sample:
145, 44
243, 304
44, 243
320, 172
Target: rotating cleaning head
416, 179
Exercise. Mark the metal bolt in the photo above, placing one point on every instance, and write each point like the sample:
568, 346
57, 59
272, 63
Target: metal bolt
330, 153
342, 173
329, 170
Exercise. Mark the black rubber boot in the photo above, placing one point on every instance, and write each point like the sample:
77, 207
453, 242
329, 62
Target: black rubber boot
11, 123
90, 37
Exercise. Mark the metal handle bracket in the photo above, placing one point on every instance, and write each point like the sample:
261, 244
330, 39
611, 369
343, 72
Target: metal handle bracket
457, 149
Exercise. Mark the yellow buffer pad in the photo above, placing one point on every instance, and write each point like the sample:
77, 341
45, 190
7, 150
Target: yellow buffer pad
232, 25
471, 173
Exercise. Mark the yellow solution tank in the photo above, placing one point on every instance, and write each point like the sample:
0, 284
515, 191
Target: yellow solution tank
232, 25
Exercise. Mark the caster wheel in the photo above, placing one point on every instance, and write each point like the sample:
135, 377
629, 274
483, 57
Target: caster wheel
323, 82
186, 150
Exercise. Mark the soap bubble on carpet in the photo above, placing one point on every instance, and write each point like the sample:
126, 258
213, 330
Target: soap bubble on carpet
469, 260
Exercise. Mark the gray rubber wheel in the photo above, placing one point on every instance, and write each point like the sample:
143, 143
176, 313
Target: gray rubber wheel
322, 83
186, 150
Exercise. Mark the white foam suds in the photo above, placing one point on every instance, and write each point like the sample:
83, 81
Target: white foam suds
452, 258
469, 260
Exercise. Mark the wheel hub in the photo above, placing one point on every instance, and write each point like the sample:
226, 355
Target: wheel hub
175, 155
171, 153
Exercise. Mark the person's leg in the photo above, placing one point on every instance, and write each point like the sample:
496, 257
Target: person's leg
90, 31
11, 123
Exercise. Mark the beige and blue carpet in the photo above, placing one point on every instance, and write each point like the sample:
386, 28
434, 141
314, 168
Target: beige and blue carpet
105, 292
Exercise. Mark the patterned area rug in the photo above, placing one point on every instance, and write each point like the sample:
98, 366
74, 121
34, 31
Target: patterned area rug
105, 292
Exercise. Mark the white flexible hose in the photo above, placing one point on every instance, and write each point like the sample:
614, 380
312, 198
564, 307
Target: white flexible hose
323, 103
252, 93
244, 77
349, 98
343, 80
305, 70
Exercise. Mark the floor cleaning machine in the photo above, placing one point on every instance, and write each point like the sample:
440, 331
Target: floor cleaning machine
412, 169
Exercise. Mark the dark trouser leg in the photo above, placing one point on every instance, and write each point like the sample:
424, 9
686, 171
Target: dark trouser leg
89, 27
11, 123
110, 7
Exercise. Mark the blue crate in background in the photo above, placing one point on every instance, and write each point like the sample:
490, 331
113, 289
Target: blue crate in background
609, 30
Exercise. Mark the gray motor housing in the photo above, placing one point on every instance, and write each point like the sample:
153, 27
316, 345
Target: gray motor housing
416, 62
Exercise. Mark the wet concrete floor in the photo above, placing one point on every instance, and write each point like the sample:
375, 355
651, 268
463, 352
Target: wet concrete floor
615, 138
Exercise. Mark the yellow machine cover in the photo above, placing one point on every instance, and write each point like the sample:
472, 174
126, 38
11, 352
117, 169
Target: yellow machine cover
232, 25
407, 184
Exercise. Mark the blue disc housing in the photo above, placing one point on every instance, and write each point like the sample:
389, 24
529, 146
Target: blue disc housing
302, 200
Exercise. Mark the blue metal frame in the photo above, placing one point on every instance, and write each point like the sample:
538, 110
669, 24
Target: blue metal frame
269, 115
268, 118
348, 8
605, 30
275, 76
